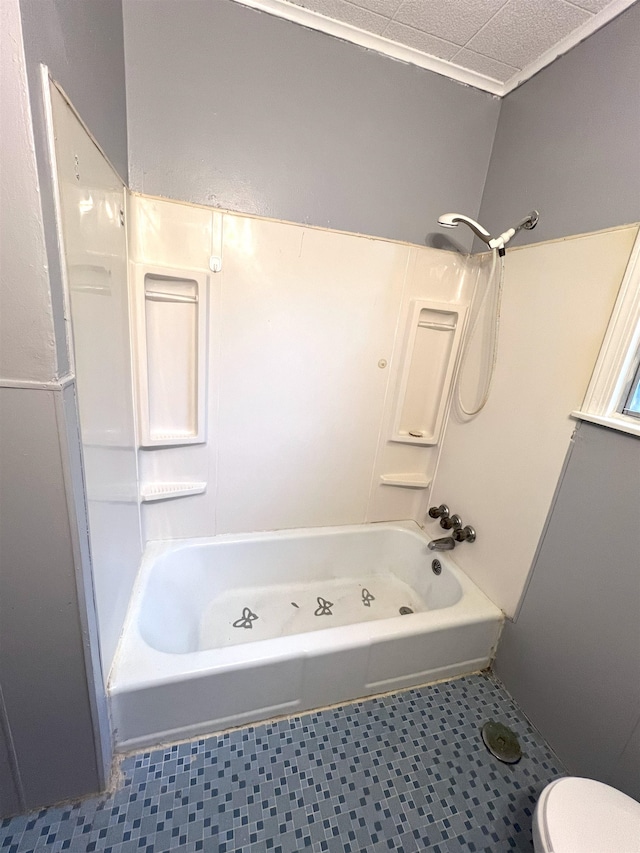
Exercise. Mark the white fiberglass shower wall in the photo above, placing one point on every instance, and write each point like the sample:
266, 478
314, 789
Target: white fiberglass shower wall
91, 200
500, 470
319, 347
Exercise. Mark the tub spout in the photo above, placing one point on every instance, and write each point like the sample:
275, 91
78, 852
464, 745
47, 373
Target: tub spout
447, 543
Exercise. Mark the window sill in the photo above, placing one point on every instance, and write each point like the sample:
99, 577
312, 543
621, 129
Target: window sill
622, 423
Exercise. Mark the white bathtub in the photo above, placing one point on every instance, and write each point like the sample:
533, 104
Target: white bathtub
317, 621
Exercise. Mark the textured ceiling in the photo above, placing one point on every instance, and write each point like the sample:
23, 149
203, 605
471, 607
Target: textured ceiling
492, 44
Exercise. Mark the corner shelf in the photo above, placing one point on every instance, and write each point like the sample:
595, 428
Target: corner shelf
406, 481
166, 491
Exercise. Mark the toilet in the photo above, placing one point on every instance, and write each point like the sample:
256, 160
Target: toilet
576, 815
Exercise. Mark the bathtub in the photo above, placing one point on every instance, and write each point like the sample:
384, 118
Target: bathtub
233, 629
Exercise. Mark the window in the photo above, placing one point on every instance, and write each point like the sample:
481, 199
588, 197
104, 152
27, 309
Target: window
632, 402
613, 395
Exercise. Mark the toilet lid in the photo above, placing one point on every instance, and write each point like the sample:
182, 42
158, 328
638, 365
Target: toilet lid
585, 816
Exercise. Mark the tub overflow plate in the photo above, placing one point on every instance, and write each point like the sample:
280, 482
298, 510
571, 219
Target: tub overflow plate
501, 742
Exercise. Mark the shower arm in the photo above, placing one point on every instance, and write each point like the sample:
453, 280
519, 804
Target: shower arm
450, 220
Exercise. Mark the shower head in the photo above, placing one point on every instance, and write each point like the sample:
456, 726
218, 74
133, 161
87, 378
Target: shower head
450, 220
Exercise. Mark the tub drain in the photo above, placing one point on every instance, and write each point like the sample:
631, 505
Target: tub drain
404, 611
501, 742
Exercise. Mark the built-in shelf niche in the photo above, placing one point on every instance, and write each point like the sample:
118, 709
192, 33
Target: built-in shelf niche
432, 341
171, 330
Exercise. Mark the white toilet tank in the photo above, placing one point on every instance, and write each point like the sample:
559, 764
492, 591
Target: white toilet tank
576, 815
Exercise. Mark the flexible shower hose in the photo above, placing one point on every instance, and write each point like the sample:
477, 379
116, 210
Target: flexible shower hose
496, 329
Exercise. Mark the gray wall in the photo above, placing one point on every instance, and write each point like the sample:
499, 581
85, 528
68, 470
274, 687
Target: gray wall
55, 726
568, 141
572, 659
234, 108
42, 664
82, 43
10, 788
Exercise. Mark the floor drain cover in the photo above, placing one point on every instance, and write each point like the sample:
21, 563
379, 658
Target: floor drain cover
501, 742
405, 610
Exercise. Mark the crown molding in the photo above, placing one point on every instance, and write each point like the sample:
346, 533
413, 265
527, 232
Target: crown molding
347, 32
564, 45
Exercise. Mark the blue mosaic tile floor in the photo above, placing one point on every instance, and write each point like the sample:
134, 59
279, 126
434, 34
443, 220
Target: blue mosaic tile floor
406, 772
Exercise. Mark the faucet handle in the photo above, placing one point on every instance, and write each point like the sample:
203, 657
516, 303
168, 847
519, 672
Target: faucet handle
441, 511
466, 534
453, 522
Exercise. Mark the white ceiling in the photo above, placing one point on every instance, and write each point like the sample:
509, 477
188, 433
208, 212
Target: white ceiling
492, 44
